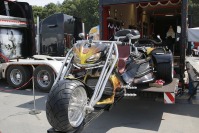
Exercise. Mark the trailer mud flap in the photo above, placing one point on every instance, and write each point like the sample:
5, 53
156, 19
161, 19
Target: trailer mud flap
169, 98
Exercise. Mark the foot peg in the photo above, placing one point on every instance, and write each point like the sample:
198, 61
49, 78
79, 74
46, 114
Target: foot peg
129, 87
130, 95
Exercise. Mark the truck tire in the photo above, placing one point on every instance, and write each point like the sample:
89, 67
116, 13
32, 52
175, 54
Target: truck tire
65, 106
165, 71
18, 76
44, 78
2, 60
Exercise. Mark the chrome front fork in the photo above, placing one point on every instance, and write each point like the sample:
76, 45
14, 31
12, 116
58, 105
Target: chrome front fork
105, 74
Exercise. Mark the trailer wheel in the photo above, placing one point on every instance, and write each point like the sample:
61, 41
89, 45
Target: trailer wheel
65, 106
18, 76
43, 78
165, 71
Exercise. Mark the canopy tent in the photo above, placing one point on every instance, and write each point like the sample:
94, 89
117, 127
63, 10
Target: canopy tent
193, 34
156, 3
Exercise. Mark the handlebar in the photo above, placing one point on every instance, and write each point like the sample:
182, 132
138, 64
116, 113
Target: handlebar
155, 42
124, 43
151, 40
117, 42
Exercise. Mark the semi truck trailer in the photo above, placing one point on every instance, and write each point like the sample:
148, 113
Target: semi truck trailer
20, 58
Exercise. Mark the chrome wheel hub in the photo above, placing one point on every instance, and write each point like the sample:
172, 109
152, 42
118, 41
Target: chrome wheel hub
77, 104
43, 78
16, 76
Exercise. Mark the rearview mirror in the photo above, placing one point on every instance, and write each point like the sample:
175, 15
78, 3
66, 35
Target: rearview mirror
178, 33
82, 35
178, 29
158, 36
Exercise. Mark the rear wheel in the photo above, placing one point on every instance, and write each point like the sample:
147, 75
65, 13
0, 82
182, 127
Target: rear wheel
43, 78
65, 106
165, 71
18, 76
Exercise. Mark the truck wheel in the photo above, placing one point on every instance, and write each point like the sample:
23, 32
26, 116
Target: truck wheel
43, 78
18, 76
165, 71
65, 106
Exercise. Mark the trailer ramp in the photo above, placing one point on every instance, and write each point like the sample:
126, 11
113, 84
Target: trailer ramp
192, 67
169, 90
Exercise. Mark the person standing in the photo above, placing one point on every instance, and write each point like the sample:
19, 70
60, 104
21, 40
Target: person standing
170, 38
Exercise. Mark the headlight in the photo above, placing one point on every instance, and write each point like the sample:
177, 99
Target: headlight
94, 57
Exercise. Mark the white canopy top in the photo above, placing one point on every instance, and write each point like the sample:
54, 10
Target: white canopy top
193, 34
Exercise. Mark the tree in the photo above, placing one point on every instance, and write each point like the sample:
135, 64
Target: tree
71, 7
193, 11
37, 11
87, 10
50, 9
45, 11
89, 13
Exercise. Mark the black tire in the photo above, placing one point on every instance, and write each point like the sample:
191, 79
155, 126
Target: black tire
18, 76
165, 71
44, 78
2, 60
58, 104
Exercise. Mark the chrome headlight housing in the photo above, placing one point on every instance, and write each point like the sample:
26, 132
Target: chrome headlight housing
94, 57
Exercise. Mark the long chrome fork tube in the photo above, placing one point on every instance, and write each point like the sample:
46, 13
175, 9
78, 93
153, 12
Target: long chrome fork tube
105, 74
63, 72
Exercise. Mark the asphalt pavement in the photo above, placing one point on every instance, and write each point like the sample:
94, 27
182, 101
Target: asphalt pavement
130, 115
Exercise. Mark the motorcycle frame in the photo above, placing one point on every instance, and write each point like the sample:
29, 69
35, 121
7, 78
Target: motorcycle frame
104, 76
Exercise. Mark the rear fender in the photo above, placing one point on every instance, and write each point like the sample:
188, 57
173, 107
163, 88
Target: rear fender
166, 57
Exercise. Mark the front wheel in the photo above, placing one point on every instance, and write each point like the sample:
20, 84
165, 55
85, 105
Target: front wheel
65, 106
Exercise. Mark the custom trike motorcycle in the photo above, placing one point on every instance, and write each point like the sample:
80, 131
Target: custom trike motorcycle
99, 73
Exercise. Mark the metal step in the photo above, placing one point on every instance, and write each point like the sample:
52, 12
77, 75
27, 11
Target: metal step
129, 87
130, 95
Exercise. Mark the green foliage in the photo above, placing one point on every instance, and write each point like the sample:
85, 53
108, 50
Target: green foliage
87, 10
194, 2
193, 11
45, 11
50, 9
37, 11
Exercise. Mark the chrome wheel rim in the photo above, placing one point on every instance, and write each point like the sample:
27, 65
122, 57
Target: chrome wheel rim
76, 109
16, 76
43, 78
